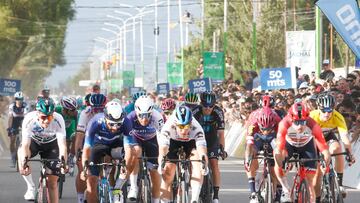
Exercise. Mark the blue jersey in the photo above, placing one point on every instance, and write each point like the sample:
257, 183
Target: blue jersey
98, 133
146, 132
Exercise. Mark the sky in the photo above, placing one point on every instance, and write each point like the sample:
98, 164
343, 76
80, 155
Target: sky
88, 23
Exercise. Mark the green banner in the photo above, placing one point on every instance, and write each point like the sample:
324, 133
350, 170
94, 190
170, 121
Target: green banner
214, 65
115, 85
128, 78
175, 73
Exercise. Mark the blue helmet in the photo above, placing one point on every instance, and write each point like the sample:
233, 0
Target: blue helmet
97, 100
183, 115
137, 95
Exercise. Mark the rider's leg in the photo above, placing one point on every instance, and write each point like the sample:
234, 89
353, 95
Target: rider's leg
53, 188
310, 176
79, 184
134, 174
13, 148
167, 179
335, 147
91, 189
196, 176
156, 181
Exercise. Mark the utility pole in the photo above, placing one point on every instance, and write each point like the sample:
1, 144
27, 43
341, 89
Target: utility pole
294, 12
285, 24
325, 46
331, 45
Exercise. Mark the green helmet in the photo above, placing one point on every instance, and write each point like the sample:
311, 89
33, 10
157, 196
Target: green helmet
45, 106
191, 98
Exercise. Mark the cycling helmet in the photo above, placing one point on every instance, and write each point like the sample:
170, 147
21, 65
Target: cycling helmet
207, 99
45, 106
183, 115
19, 96
114, 112
191, 98
97, 100
144, 105
69, 103
298, 111
325, 101
87, 99
79, 101
267, 101
266, 118
168, 104
137, 95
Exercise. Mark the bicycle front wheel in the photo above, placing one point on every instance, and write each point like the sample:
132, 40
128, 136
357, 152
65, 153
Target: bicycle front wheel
303, 192
41, 195
145, 192
269, 189
334, 184
61, 181
205, 194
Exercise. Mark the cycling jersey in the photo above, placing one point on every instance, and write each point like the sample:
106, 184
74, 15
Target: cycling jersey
31, 128
210, 124
98, 133
336, 121
17, 114
146, 132
84, 118
70, 122
168, 132
287, 133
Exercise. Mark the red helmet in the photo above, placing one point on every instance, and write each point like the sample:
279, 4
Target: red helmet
299, 111
267, 101
168, 104
266, 118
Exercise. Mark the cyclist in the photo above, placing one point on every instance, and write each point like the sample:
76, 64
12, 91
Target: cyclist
97, 103
17, 111
68, 109
182, 130
43, 132
131, 107
106, 134
211, 119
331, 120
298, 133
168, 105
262, 131
45, 93
191, 100
146, 123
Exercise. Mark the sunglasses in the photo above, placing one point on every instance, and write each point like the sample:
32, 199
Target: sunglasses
266, 129
300, 122
114, 124
167, 113
144, 115
186, 127
208, 106
46, 117
97, 109
327, 110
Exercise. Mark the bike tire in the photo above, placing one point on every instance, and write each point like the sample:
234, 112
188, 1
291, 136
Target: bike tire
338, 198
184, 192
145, 195
41, 195
205, 194
327, 190
269, 189
303, 192
61, 181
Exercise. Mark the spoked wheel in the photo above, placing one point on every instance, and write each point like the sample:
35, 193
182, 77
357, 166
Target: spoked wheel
206, 189
145, 192
338, 198
41, 195
303, 193
61, 181
327, 190
184, 191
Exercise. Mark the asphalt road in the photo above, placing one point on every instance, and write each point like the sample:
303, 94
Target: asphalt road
234, 184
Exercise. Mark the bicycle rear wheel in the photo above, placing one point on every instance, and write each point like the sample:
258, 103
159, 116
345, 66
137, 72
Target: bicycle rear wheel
334, 184
145, 191
206, 189
303, 192
41, 195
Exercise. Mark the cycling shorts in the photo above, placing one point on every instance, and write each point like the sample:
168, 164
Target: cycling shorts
175, 146
46, 151
331, 137
98, 151
213, 153
259, 142
307, 152
150, 147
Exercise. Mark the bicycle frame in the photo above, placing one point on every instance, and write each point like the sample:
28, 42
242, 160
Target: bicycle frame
144, 194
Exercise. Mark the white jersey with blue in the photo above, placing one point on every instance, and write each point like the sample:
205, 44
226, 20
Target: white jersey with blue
84, 119
148, 132
98, 133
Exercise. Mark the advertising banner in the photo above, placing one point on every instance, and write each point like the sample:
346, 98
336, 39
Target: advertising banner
277, 78
214, 65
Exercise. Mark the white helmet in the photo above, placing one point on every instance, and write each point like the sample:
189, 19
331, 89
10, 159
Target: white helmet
144, 104
114, 112
69, 103
19, 96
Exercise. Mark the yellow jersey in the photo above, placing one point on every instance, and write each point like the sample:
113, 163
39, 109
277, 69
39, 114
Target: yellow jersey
336, 121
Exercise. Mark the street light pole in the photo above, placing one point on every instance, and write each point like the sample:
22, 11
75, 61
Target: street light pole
156, 43
181, 36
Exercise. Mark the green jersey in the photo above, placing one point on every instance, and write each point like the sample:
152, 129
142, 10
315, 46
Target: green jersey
70, 123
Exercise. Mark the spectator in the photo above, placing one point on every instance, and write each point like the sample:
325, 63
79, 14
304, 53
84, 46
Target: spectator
327, 74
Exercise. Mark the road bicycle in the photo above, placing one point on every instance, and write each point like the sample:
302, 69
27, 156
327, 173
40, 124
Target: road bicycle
300, 192
330, 189
144, 194
105, 190
42, 192
181, 181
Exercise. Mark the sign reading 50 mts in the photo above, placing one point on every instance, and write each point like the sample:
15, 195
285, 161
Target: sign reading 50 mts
8, 87
276, 78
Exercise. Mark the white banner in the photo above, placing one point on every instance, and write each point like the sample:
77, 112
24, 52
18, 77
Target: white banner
300, 50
